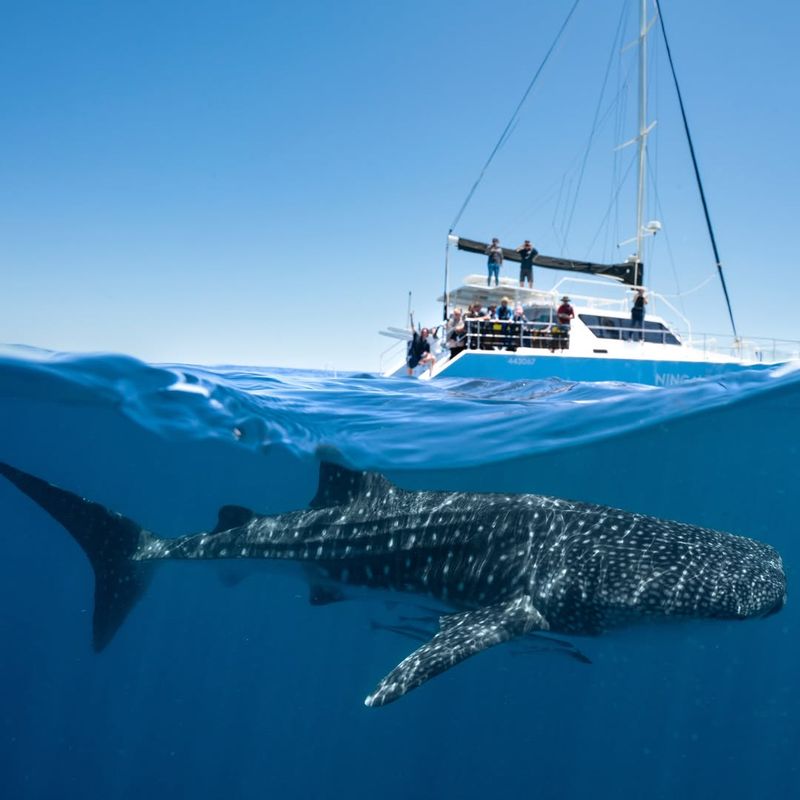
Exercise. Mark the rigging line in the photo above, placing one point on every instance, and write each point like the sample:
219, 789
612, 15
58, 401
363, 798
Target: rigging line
694, 289
554, 221
660, 209
546, 194
507, 130
612, 202
696, 169
568, 193
595, 123
621, 104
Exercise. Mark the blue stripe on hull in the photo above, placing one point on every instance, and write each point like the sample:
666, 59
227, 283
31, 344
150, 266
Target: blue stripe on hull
512, 367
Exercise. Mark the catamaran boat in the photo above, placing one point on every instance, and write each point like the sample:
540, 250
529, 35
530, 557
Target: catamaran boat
601, 342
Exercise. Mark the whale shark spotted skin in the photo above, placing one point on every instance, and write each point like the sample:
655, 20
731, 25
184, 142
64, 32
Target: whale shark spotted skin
507, 565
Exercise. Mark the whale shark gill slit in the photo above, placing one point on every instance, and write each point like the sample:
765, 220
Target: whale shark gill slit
508, 566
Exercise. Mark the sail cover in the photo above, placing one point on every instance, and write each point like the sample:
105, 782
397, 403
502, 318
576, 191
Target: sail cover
626, 273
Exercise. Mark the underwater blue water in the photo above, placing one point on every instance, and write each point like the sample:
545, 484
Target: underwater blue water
247, 691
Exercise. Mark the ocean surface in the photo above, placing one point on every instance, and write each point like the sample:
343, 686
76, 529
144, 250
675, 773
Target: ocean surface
247, 691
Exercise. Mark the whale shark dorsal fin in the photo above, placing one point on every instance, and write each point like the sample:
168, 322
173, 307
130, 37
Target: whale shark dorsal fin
339, 485
232, 517
460, 636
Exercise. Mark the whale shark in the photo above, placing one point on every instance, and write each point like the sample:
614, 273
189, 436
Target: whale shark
502, 566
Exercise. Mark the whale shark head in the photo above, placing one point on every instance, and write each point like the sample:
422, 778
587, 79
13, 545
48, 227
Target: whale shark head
753, 580
657, 569
730, 577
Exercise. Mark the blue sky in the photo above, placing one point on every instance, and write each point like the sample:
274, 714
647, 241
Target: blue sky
264, 182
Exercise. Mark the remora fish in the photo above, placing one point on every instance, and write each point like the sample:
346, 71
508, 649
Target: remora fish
507, 565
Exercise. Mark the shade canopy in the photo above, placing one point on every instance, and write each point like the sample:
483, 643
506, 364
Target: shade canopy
475, 290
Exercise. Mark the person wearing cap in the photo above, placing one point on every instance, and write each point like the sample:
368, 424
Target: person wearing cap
565, 313
495, 253
527, 253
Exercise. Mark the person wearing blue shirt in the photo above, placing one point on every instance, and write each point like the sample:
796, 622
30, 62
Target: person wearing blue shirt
495, 253
504, 311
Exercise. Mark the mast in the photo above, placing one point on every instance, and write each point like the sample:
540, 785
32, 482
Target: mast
643, 131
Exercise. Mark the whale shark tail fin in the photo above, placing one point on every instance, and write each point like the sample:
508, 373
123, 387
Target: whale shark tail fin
109, 541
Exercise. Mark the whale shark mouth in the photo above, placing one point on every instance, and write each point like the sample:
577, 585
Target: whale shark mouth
778, 606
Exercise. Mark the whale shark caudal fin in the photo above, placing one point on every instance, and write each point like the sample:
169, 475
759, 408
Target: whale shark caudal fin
339, 485
460, 636
108, 539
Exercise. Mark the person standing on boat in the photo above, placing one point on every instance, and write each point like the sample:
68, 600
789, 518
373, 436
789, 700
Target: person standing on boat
559, 334
456, 333
505, 314
495, 253
527, 253
637, 315
565, 313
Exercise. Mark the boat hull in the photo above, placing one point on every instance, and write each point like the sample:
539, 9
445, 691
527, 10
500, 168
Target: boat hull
651, 372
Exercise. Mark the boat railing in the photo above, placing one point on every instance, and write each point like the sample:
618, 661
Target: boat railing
756, 349
501, 335
391, 355
620, 303
495, 334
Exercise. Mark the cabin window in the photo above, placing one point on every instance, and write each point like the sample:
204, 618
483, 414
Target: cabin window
620, 328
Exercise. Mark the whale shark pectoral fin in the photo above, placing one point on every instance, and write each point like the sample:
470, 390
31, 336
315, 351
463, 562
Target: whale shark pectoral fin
460, 636
339, 485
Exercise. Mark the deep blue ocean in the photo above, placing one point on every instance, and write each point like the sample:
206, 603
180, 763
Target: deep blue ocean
248, 691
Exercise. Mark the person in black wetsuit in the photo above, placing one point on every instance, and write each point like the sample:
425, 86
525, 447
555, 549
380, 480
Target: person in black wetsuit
419, 351
637, 315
